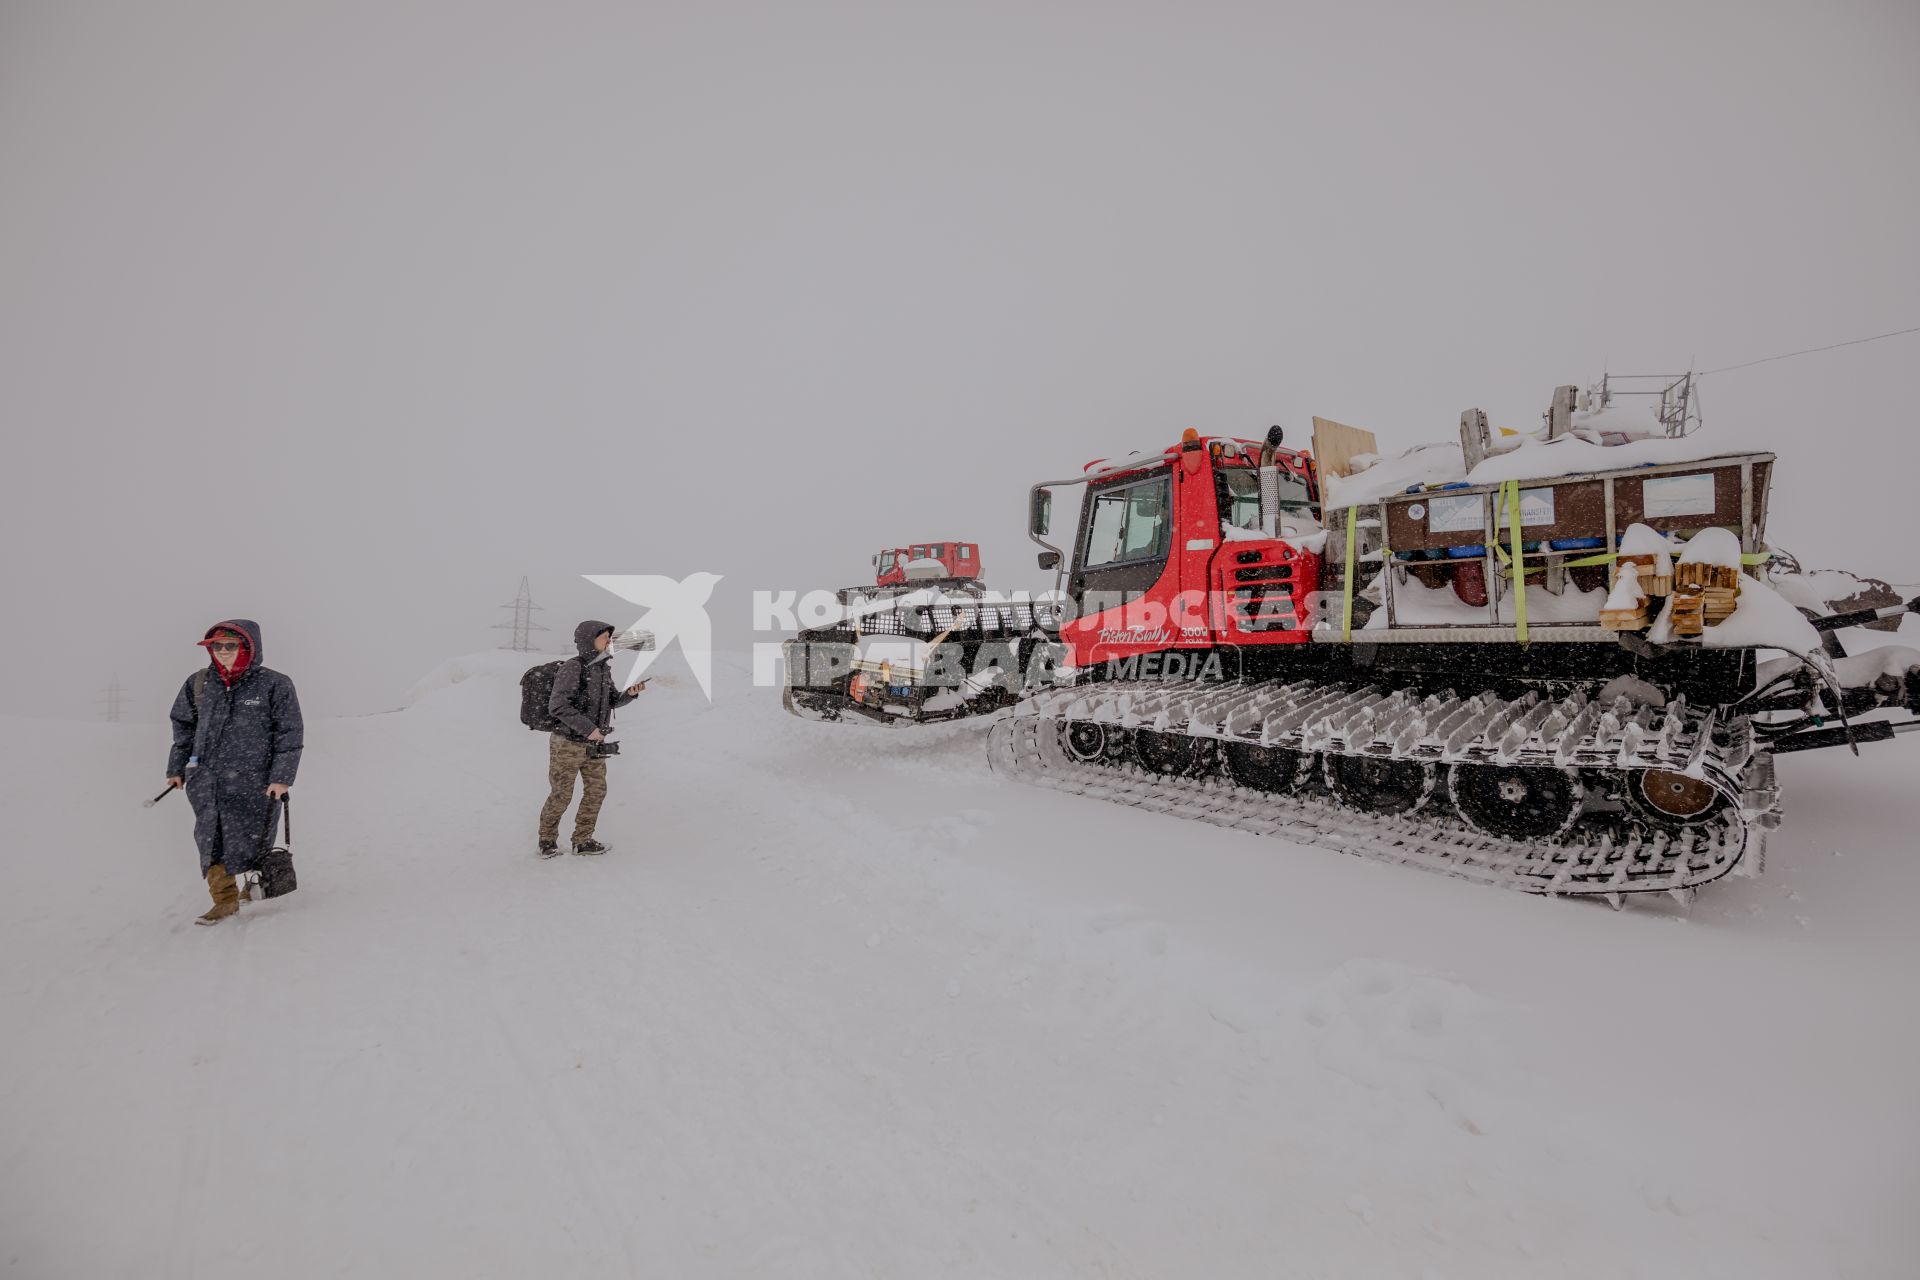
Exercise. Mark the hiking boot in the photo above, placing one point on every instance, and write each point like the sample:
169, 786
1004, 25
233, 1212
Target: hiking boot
226, 896
549, 848
588, 846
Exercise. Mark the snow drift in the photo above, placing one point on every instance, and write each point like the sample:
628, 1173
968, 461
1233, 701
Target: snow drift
842, 1004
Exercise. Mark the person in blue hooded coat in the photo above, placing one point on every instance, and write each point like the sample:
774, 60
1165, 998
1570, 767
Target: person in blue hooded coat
237, 738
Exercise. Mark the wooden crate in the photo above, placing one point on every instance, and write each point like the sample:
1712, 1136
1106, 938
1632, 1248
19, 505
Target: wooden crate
1727, 491
1652, 582
1710, 493
1688, 610
1722, 577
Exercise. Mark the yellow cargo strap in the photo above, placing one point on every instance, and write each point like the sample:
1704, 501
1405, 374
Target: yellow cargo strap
1598, 557
1608, 557
1346, 591
1520, 572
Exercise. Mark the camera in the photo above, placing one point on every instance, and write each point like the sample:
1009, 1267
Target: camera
600, 750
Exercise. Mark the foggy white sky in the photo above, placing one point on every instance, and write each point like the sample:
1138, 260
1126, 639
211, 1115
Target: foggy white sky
345, 316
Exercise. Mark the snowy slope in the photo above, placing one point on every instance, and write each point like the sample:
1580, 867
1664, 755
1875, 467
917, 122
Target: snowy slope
842, 1003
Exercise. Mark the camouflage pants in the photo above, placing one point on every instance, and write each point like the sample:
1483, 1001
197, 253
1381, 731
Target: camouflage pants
566, 759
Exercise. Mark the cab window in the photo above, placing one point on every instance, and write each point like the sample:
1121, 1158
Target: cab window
1129, 523
1239, 495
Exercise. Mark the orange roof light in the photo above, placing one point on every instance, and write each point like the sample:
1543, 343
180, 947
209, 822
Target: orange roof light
1189, 436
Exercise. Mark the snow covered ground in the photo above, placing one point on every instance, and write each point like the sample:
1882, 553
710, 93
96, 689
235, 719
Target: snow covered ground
843, 1003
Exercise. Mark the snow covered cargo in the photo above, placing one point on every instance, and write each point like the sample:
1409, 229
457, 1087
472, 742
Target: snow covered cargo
1565, 530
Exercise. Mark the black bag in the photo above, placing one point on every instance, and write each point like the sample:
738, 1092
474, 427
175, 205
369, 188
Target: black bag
276, 864
536, 690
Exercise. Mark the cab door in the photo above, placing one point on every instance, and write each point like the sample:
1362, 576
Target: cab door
1121, 562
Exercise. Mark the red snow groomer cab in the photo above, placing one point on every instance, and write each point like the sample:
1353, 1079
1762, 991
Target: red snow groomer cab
933, 562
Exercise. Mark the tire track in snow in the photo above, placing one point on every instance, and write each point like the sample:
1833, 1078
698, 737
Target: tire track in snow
213, 1098
574, 1154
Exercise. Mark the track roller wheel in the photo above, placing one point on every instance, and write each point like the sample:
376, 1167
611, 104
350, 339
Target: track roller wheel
1512, 800
1088, 741
1174, 754
1379, 785
1673, 798
1277, 769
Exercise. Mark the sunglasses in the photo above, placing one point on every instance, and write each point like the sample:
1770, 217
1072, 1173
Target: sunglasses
225, 646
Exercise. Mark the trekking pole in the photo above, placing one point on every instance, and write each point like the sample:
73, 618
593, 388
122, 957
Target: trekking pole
162, 796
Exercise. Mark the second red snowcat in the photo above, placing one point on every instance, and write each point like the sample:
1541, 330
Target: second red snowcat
924, 562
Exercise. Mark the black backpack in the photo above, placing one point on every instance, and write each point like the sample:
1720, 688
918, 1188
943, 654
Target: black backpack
536, 691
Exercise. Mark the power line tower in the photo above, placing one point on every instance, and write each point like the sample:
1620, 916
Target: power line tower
523, 624
112, 700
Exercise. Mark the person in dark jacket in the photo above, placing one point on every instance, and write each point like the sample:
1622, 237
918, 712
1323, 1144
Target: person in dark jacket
583, 701
237, 738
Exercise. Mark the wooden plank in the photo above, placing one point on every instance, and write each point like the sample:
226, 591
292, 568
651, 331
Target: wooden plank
1335, 444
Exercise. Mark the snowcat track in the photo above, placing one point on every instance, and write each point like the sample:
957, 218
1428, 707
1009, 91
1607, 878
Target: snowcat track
1606, 853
